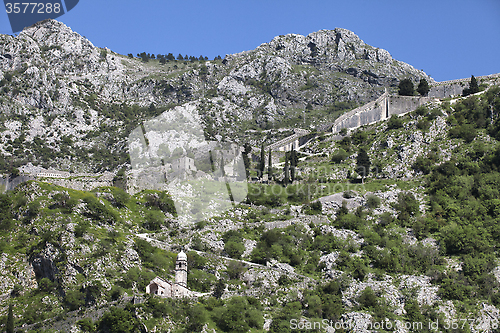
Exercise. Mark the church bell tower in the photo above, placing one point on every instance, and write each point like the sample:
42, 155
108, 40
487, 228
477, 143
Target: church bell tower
181, 269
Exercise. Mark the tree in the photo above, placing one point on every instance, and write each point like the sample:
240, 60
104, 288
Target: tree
473, 87
246, 160
262, 162
363, 163
423, 87
222, 171
180, 57
10, 321
286, 171
269, 166
294, 160
406, 88
220, 286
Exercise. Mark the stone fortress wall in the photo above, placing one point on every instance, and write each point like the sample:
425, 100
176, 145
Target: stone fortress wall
456, 87
384, 107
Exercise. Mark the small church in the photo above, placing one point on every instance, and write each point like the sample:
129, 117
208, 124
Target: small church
163, 288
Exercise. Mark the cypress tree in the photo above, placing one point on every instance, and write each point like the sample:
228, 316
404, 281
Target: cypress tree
423, 87
246, 160
474, 88
10, 320
287, 176
262, 164
293, 164
222, 171
269, 167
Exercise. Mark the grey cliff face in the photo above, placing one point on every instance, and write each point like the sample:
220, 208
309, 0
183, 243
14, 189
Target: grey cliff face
57, 85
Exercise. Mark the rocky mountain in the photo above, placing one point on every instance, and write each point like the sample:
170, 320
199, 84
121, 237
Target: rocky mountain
392, 226
64, 100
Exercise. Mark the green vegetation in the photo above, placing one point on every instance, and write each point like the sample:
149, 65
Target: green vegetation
423, 87
406, 88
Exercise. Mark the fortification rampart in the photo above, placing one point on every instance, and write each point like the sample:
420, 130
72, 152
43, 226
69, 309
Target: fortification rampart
456, 87
384, 107
291, 142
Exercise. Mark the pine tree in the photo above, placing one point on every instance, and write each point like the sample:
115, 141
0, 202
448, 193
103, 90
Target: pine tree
269, 167
363, 163
423, 87
10, 321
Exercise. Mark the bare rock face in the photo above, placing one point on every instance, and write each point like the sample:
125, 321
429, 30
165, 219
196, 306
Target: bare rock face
44, 263
69, 85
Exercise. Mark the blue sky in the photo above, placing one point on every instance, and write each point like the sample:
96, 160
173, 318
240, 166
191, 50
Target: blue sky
448, 39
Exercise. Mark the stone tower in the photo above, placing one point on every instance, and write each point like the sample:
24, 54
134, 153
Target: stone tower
181, 269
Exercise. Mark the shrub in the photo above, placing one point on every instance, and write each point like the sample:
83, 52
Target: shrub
201, 281
98, 211
118, 320
121, 197
74, 299
86, 325
239, 316
423, 125
162, 201
394, 122
314, 208
367, 300
359, 137
407, 206
234, 249
154, 220
197, 318
423, 164
235, 269
233, 244
466, 131
372, 201
339, 156
45, 285
349, 194
421, 110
